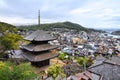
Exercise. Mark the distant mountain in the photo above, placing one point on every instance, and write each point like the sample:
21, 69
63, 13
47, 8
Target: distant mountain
7, 27
51, 26
110, 30
116, 32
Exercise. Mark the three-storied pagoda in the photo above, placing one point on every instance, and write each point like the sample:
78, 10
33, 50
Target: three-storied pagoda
38, 51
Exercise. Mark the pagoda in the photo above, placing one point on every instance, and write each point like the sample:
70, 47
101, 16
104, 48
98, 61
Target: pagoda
38, 51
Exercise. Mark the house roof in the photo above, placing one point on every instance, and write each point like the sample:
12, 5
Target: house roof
40, 57
15, 54
99, 60
88, 75
71, 69
114, 60
36, 47
85, 75
109, 71
39, 35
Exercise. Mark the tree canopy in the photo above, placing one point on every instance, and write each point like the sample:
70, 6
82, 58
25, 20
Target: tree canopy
10, 71
55, 70
10, 41
66, 25
5, 27
84, 61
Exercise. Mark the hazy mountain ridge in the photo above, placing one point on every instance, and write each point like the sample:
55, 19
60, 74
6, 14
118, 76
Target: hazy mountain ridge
116, 32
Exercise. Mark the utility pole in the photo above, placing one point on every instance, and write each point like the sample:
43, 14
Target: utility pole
39, 18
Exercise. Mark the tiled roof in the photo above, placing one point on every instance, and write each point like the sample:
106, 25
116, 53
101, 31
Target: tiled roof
36, 47
40, 57
109, 71
39, 35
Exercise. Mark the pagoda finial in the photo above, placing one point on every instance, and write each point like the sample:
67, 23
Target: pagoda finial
39, 18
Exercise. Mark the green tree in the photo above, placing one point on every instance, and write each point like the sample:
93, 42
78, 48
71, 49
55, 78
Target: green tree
80, 60
5, 27
10, 71
55, 70
83, 61
63, 56
4, 71
10, 41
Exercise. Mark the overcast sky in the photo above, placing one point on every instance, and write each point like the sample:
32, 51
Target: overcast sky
99, 14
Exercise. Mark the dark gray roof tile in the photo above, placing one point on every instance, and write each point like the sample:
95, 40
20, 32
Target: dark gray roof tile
36, 47
40, 57
39, 35
107, 70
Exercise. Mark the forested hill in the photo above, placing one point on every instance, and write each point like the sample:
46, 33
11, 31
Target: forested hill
7, 27
51, 26
116, 32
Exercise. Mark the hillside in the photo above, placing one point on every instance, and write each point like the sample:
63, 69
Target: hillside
116, 32
67, 25
7, 27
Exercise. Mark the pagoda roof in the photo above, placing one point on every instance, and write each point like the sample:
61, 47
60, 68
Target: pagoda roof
39, 35
36, 47
40, 57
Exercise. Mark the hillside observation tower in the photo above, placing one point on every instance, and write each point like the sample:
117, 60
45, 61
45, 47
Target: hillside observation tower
38, 18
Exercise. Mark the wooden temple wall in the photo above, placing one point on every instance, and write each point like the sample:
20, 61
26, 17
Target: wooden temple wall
41, 63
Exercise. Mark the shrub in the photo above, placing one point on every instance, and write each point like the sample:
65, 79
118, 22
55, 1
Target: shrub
10, 71
55, 70
62, 56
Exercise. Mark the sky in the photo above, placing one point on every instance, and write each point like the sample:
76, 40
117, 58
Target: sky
98, 14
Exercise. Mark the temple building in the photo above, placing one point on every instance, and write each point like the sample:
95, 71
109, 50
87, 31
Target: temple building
38, 51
